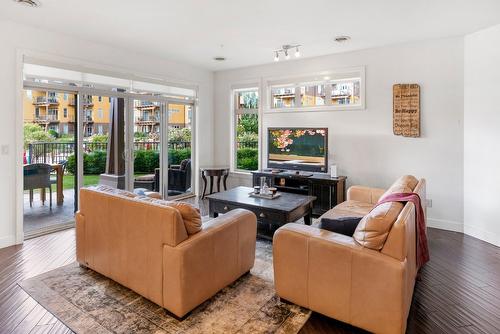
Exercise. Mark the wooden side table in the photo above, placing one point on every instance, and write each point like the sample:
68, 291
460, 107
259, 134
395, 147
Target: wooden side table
219, 173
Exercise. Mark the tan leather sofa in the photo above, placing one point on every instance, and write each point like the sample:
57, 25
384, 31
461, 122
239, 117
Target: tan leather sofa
366, 280
146, 246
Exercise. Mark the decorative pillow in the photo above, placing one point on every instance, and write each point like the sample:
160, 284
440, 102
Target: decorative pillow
342, 225
373, 229
190, 215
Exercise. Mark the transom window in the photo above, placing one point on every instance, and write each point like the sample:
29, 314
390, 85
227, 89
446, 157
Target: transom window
335, 91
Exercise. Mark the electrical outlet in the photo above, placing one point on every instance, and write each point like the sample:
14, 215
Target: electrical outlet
429, 203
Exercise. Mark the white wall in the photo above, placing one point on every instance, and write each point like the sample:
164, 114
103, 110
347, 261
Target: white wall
361, 142
14, 37
482, 135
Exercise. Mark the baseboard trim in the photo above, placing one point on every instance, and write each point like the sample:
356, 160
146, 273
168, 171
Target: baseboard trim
7, 241
487, 236
443, 224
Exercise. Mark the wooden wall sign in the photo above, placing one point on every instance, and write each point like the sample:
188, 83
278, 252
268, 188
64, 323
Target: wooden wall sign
406, 110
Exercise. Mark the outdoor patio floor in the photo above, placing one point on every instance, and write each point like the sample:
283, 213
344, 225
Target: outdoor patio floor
39, 218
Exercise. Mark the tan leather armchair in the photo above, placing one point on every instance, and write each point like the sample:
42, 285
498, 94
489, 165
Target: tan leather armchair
337, 276
146, 247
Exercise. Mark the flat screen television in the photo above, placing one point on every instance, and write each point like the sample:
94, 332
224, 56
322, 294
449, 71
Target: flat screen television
303, 149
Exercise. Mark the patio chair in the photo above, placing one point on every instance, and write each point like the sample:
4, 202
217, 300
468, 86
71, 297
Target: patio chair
179, 176
37, 176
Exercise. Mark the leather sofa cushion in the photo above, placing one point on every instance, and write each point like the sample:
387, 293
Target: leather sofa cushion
348, 209
190, 214
373, 229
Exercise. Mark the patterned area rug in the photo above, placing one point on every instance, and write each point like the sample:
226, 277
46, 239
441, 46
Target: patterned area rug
88, 302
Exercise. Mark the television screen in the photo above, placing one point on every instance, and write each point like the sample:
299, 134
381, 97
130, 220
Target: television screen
298, 149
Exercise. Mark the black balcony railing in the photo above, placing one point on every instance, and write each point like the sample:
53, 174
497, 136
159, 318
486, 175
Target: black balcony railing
50, 152
45, 100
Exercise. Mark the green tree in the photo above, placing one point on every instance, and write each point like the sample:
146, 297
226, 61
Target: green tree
248, 123
35, 133
250, 100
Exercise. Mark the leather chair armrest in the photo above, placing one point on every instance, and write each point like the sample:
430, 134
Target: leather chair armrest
216, 256
330, 273
364, 194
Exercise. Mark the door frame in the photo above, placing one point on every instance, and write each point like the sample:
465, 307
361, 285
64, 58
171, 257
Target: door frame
42, 58
164, 124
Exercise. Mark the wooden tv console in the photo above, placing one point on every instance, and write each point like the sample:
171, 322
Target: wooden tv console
329, 191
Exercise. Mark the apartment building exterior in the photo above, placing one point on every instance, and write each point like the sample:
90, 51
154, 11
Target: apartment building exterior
57, 111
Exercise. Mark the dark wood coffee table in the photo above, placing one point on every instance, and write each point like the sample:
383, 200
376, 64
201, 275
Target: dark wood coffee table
271, 213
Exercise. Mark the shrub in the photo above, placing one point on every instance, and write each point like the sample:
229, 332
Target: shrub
176, 156
247, 158
93, 163
53, 133
146, 161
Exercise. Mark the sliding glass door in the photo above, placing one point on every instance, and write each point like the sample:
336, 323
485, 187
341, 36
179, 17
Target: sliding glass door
49, 160
146, 145
180, 149
162, 147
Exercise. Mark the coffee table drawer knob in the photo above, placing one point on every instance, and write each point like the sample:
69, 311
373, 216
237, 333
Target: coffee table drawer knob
262, 215
226, 208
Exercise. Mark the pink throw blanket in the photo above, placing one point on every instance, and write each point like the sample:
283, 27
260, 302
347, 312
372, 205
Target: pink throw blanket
422, 248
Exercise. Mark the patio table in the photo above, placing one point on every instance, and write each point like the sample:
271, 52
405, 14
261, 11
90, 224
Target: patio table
58, 168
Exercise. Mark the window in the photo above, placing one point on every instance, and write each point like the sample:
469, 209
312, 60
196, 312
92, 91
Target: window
65, 129
246, 132
52, 114
65, 112
345, 92
65, 96
283, 97
99, 98
100, 113
335, 91
312, 96
88, 130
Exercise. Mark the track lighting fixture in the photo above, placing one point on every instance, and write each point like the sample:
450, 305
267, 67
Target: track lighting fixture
285, 49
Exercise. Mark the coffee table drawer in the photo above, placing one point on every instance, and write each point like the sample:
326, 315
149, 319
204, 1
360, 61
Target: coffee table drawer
223, 207
262, 215
269, 216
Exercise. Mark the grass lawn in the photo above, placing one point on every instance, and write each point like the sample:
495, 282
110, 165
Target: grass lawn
69, 181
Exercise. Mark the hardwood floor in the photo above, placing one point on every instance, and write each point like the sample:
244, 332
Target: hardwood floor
458, 291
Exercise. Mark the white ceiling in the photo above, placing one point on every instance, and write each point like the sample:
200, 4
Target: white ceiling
193, 31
